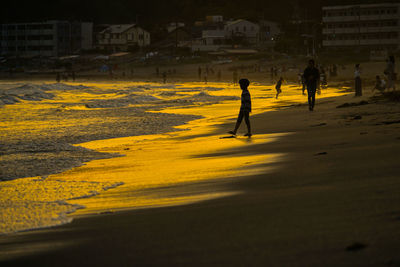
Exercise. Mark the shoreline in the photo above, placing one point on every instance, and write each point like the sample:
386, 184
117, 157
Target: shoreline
76, 185
325, 214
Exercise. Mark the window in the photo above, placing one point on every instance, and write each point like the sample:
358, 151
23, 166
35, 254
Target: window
34, 37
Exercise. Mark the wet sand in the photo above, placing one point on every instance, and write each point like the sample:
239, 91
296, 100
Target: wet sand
333, 200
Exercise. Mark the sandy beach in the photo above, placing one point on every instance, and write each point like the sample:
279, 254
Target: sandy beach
311, 188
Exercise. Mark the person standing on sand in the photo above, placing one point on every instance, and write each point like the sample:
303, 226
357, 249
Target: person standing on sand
391, 73
311, 77
357, 80
245, 108
278, 87
164, 75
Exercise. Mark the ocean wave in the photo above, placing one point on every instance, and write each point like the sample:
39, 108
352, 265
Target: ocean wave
33, 203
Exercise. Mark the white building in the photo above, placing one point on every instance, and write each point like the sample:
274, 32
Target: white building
49, 38
123, 37
373, 26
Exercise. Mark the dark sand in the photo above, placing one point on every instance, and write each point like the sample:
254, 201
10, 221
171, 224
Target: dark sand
334, 200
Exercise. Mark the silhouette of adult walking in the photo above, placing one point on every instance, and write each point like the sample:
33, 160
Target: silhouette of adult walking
311, 77
245, 108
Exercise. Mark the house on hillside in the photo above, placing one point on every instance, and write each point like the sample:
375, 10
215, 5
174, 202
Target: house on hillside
242, 31
122, 37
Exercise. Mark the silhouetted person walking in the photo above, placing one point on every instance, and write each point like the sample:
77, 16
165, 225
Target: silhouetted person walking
311, 77
58, 77
357, 80
245, 108
164, 75
278, 87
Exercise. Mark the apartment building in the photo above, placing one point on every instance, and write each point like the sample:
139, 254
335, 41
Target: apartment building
371, 26
49, 38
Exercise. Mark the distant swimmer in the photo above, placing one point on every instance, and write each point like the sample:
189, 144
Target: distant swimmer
311, 77
245, 108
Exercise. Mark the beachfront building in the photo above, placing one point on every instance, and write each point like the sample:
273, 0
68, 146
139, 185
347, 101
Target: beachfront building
122, 38
48, 39
375, 27
269, 31
211, 40
217, 34
242, 31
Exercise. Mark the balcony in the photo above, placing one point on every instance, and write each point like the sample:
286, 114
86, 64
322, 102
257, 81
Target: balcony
361, 30
328, 43
361, 18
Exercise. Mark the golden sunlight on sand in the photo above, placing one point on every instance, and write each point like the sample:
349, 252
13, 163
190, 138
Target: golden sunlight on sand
156, 170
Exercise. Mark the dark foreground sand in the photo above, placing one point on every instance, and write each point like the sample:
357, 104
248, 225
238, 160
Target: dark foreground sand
334, 200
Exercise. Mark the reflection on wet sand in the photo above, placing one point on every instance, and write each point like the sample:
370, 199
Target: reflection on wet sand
170, 168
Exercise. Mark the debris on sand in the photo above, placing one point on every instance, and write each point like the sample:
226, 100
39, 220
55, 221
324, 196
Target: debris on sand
346, 105
356, 246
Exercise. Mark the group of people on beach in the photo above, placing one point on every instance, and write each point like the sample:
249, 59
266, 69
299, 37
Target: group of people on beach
311, 77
